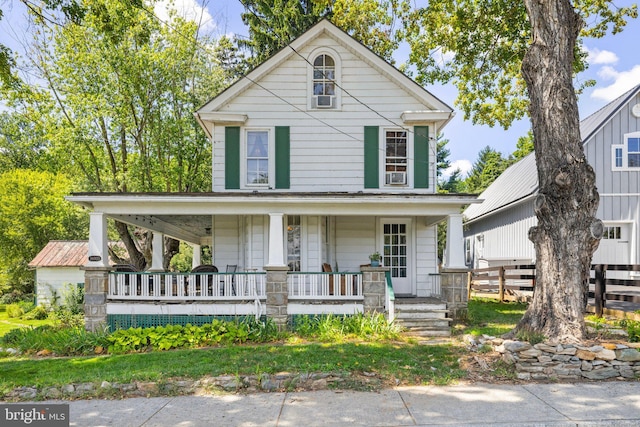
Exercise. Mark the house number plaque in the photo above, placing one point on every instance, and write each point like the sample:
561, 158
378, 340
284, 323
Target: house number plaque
95, 258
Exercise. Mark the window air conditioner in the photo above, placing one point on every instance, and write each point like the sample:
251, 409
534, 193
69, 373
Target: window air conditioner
397, 178
323, 101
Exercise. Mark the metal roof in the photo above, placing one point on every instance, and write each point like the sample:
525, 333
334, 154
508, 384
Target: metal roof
62, 253
520, 180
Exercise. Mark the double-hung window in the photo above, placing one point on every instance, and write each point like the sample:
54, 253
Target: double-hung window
626, 156
396, 157
257, 155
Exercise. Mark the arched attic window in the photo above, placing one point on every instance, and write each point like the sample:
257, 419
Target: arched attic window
324, 82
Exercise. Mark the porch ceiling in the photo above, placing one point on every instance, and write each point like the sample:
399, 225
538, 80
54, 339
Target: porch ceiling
187, 216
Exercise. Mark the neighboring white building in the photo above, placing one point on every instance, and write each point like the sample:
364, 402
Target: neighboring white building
58, 266
325, 153
496, 230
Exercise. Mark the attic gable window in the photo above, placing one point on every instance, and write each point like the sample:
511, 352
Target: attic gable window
626, 156
324, 80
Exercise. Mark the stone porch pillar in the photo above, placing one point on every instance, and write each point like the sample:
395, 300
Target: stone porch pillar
96, 284
277, 295
374, 289
453, 285
454, 249
157, 252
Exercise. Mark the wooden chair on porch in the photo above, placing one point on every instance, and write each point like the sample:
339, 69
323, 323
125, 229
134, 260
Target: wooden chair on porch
326, 268
128, 268
231, 268
208, 279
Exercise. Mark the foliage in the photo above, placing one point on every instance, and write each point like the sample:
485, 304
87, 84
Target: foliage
633, 329
38, 313
489, 165
178, 336
275, 23
524, 146
14, 311
32, 212
478, 46
62, 341
340, 328
117, 106
530, 336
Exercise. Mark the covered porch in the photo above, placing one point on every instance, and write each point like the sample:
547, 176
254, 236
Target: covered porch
280, 246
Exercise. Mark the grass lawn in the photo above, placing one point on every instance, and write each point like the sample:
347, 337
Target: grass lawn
490, 317
7, 323
403, 362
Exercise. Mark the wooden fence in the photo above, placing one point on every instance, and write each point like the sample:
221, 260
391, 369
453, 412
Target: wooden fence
506, 278
600, 282
501, 279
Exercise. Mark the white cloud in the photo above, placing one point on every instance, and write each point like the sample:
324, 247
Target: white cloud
464, 165
622, 82
598, 57
188, 9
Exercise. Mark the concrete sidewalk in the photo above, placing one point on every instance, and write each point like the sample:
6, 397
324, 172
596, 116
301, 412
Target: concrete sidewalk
579, 404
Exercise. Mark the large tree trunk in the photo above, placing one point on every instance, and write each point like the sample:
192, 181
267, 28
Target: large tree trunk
567, 233
136, 257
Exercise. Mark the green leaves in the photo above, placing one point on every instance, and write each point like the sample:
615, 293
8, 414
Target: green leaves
32, 212
478, 45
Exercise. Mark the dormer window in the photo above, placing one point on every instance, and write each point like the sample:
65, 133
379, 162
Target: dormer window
324, 81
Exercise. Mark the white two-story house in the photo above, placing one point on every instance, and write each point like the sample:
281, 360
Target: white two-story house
322, 155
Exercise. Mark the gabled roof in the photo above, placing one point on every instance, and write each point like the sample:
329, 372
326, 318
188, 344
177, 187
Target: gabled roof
520, 180
62, 253
323, 27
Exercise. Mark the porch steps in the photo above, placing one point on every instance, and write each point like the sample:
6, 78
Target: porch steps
423, 317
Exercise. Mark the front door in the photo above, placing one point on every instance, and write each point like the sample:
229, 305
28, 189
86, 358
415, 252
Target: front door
396, 254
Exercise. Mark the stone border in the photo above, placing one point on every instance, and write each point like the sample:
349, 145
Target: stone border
553, 361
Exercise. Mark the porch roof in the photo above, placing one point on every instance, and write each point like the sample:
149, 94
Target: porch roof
187, 216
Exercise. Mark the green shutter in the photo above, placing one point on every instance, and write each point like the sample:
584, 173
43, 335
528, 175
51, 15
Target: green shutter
232, 158
283, 146
421, 156
371, 164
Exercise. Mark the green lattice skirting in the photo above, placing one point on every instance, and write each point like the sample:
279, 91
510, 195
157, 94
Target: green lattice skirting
126, 321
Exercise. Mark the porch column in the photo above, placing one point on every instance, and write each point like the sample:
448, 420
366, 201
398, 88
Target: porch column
276, 240
98, 250
157, 252
454, 249
197, 252
374, 287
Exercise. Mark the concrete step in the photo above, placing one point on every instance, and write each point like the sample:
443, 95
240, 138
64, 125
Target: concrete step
420, 307
431, 314
429, 333
424, 323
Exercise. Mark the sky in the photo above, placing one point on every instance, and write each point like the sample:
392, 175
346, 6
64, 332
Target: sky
614, 63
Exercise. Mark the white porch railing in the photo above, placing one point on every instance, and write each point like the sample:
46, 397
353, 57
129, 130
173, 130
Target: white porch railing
143, 286
337, 286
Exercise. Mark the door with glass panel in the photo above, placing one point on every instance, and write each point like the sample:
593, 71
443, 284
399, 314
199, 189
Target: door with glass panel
396, 254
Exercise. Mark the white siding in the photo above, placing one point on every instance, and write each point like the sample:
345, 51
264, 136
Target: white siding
227, 241
50, 279
503, 236
355, 240
426, 257
326, 145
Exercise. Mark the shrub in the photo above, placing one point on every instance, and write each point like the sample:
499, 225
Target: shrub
14, 311
26, 306
61, 341
38, 313
633, 329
